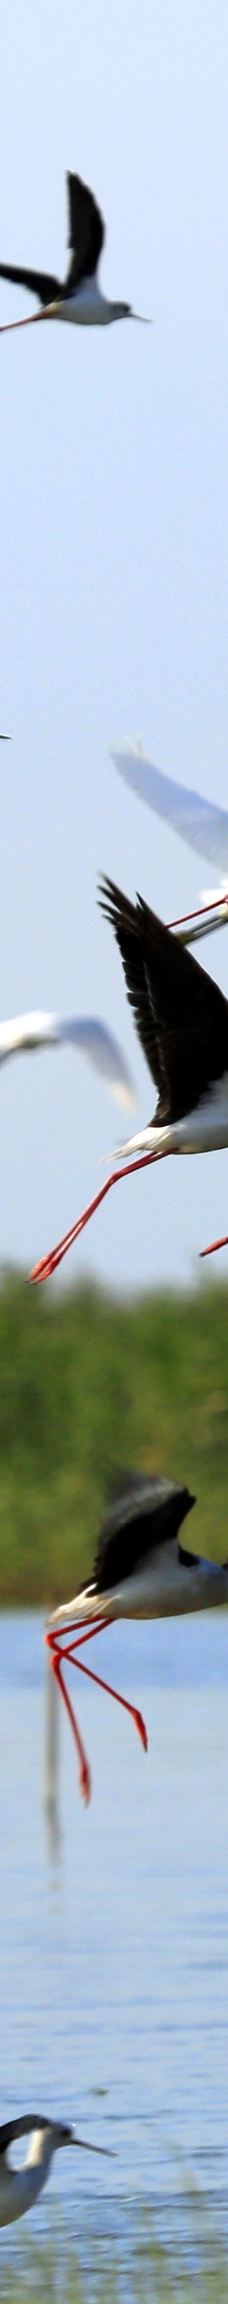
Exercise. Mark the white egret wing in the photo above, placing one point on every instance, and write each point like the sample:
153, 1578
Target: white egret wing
87, 1033
198, 821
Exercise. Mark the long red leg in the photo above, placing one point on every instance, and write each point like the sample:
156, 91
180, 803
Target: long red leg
48, 1264
84, 1770
30, 320
202, 909
68, 1654
56, 1660
214, 1244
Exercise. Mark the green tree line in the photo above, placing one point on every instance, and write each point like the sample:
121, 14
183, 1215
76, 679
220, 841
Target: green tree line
88, 1384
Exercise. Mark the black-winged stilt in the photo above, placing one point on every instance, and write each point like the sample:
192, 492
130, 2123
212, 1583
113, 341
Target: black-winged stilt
182, 1021
77, 298
88, 1034
20, 2187
141, 1571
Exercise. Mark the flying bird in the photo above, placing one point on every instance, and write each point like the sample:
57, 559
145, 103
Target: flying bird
20, 2187
41, 1030
77, 298
141, 1570
198, 821
182, 1022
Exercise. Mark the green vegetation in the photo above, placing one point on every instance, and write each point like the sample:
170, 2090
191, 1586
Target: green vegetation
150, 2273
89, 1383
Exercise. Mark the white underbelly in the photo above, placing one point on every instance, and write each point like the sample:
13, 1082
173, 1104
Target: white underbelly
203, 1130
206, 1129
86, 309
17, 2194
160, 1587
172, 1592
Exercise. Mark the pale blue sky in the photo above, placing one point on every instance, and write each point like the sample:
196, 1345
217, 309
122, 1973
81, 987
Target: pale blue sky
114, 596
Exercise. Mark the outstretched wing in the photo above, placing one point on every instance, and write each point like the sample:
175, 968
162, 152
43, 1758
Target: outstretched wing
198, 821
180, 1014
87, 1033
147, 1513
86, 233
41, 284
21, 2127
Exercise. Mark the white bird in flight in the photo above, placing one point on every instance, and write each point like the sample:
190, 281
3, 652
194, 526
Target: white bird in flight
87, 1033
77, 298
20, 2187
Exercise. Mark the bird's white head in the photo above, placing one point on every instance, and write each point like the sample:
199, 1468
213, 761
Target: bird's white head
46, 2137
50, 2136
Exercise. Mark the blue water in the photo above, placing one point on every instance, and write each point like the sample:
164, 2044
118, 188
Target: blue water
114, 1931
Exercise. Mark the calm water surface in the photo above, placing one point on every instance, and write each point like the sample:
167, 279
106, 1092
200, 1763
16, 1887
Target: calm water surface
114, 1935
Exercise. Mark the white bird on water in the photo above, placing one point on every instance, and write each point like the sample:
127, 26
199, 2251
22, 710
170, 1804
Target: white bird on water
77, 298
182, 1022
20, 2187
39, 1029
142, 1570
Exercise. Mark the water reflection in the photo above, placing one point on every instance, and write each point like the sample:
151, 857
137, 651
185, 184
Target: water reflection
114, 1960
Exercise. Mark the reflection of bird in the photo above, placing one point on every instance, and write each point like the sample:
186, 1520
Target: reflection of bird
51, 1772
40, 1030
20, 2187
182, 1021
141, 1570
78, 297
198, 821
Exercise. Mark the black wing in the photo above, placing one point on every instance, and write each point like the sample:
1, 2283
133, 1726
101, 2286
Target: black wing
21, 2127
180, 1014
147, 1513
86, 234
41, 284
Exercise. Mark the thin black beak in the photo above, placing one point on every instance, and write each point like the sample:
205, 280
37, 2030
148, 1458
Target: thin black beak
103, 2149
144, 318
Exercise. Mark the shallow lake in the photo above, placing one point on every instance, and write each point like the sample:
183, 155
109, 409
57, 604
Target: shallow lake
114, 1934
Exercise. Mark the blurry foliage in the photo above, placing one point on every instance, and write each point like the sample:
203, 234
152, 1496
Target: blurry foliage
154, 2274
89, 1383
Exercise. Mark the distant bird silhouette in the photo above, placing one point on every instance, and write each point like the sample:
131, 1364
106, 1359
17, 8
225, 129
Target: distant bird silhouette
141, 1570
78, 298
20, 2187
182, 1022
